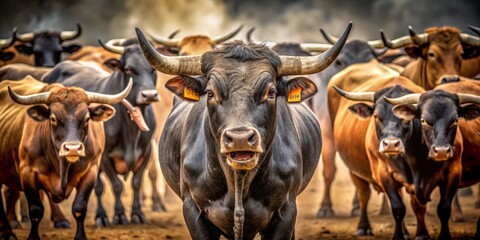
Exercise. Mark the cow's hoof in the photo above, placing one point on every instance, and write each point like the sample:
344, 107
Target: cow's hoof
364, 232
25, 219
159, 207
61, 224
120, 219
137, 218
355, 212
465, 192
477, 204
325, 213
15, 224
422, 237
102, 222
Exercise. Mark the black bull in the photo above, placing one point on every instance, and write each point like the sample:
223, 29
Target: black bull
233, 147
127, 148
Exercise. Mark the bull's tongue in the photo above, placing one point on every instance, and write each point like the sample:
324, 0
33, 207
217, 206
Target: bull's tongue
241, 155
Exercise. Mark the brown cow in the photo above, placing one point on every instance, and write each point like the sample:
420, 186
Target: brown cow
52, 140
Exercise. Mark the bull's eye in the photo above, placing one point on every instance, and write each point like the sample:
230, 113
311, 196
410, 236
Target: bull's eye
455, 123
425, 123
210, 94
431, 54
53, 121
272, 93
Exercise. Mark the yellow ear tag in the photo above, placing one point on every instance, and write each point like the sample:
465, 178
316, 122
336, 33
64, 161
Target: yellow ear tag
295, 95
190, 94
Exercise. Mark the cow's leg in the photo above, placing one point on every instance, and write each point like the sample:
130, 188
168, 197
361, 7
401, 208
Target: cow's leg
158, 204
59, 220
35, 207
363, 192
11, 197
283, 224
198, 225
24, 208
119, 217
101, 219
384, 208
444, 208
457, 213
5, 229
79, 207
137, 214
355, 206
420, 210
477, 202
329, 168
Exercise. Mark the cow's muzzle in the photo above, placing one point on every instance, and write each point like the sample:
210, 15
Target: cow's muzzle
242, 147
72, 151
441, 153
448, 79
391, 146
147, 97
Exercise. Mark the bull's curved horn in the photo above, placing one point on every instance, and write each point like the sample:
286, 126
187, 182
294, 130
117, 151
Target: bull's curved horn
417, 39
356, 96
469, 39
173, 34
313, 64
413, 38
227, 36
26, 37
28, 99
412, 98
475, 29
114, 45
69, 35
329, 38
468, 98
5, 43
94, 97
175, 65
169, 42
249, 35
315, 47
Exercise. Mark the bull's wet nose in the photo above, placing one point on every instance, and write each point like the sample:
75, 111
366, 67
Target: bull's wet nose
240, 138
149, 95
449, 78
391, 143
441, 152
72, 147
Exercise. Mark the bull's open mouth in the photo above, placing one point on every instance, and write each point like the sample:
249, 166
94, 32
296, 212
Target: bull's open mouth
393, 153
242, 160
72, 158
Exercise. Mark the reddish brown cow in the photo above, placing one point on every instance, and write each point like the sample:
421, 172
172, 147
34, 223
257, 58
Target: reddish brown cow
52, 140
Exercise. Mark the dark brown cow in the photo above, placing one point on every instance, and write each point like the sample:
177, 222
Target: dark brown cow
52, 140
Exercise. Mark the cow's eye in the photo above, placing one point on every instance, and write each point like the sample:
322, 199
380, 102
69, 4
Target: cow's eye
272, 93
425, 123
53, 121
431, 54
210, 94
455, 123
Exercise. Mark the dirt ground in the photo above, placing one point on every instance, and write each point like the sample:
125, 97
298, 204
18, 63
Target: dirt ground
170, 225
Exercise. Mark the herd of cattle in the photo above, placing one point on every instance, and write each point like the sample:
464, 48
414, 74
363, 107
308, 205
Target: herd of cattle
237, 130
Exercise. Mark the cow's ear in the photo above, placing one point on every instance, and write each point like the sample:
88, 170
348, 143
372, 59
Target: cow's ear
362, 110
112, 63
39, 112
5, 56
414, 51
405, 111
186, 87
470, 51
470, 111
71, 48
101, 112
299, 89
24, 48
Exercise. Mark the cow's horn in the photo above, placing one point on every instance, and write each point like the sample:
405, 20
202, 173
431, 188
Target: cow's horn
5, 43
332, 40
227, 36
475, 29
469, 39
69, 35
413, 38
249, 35
28, 99
26, 37
169, 42
114, 45
406, 99
417, 39
468, 98
313, 64
356, 96
111, 99
175, 65
315, 47
173, 34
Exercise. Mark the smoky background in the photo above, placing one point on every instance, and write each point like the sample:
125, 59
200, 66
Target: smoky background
281, 20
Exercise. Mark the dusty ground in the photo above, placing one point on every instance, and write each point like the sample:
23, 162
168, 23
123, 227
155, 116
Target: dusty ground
170, 225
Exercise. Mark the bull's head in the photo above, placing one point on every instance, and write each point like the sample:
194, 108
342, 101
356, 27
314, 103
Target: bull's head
441, 49
69, 111
241, 86
439, 112
47, 46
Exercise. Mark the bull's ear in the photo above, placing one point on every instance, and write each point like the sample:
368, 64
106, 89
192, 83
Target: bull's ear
470, 111
112, 63
414, 51
5, 56
39, 112
24, 48
470, 51
101, 112
362, 110
71, 48
186, 87
405, 111
299, 89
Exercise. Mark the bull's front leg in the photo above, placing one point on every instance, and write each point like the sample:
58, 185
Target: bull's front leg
79, 207
198, 225
119, 217
11, 197
444, 208
283, 223
5, 229
137, 216
59, 220
35, 207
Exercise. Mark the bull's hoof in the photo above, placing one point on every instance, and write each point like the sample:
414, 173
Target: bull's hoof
61, 224
355, 212
137, 218
120, 219
25, 219
325, 213
102, 222
15, 224
364, 232
477, 204
159, 207
422, 237
465, 192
